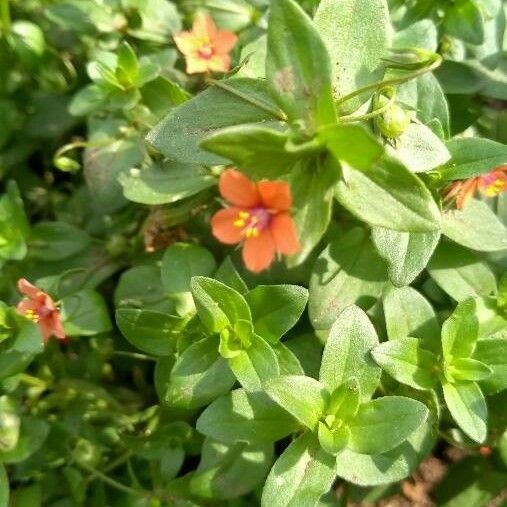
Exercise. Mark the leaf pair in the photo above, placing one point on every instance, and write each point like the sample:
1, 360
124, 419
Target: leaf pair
419, 364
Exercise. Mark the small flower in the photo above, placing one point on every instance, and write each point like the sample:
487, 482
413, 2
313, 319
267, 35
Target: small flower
490, 185
258, 217
205, 48
41, 309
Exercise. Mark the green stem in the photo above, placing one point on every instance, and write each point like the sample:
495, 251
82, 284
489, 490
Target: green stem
257, 103
5, 16
437, 60
368, 116
133, 355
115, 484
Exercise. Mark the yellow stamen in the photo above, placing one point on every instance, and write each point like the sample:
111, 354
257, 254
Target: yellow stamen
239, 223
30, 314
252, 232
244, 214
494, 188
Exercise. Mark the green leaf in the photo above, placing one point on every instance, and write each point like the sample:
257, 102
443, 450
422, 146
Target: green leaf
349, 271
230, 471
165, 183
141, 286
276, 309
460, 331
333, 441
199, 376
460, 273
466, 368
402, 202
259, 151
425, 94
407, 362
54, 241
28, 496
127, 63
85, 314
347, 353
236, 101
384, 423
408, 313
255, 365
420, 150
303, 397
475, 227
152, 332
467, 406
243, 416
298, 67
218, 306
312, 188
357, 34
32, 435
300, 476
464, 20
470, 482
472, 156
493, 352
288, 362
407, 253
352, 144
228, 275
181, 262
389, 467
4, 487
109, 154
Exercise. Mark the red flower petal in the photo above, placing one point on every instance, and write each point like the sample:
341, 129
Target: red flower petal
204, 27
275, 195
259, 252
224, 42
238, 189
285, 234
222, 225
29, 290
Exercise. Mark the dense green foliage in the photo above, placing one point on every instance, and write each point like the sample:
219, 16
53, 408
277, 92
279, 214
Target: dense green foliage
189, 374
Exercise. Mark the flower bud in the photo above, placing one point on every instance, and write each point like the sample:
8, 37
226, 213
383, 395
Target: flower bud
393, 122
87, 453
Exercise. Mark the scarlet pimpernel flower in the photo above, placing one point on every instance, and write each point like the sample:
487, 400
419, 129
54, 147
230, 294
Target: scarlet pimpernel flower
258, 217
41, 309
490, 185
205, 47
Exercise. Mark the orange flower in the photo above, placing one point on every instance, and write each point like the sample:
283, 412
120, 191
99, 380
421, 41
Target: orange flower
258, 217
41, 309
490, 185
205, 48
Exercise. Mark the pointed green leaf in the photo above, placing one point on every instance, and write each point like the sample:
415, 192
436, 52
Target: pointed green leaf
218, 306
461, 273
358, 35
407, 253
493, 352
199, 376
407, 362
255, 364
347, 353
298, 68
242, 416
408, 313
466, 368
259, 151
300, 476
460, 331
276, 309
475, 227
382, 424
402, 202
468, 408
303, 397
236, 101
